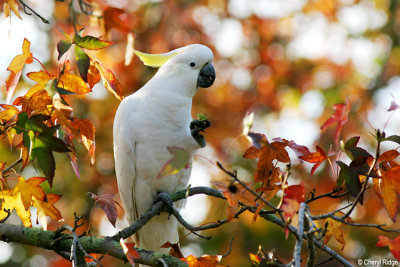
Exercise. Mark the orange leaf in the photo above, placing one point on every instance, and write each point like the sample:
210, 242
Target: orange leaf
29, 188
110, 82
12, 201
175, 250
315, 157
39, 102
394, 245
45, 209
204, 261
390, 188
93, 75
130, 251
74, 84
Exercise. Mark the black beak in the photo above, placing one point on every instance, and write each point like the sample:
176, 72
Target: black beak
206, 76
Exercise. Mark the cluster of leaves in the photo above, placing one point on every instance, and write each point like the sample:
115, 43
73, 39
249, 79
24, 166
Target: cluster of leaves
41, 122
352, 180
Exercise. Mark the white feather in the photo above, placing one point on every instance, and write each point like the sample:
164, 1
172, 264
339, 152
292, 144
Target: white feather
146, 123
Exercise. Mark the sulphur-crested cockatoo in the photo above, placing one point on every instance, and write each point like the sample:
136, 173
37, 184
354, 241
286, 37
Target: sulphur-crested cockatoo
155, 117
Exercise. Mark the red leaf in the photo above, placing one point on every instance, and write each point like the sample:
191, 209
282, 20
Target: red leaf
393, 106
394, 245
340, 117
315, 157
108, 205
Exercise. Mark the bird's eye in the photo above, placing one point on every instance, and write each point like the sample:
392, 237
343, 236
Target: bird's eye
192, 64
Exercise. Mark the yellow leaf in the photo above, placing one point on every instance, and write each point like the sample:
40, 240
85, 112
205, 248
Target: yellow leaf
45, 209
28, 189
42, 78
334, 228
11, 202
110, 82
73, 83
11, 4
19, 61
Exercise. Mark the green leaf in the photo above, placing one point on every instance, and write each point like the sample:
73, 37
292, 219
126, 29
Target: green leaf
352, 151
53, 143
90, 42
393, 138
350, 177
34, 123
83, 62
179, 161
202, 117
46, 162
62, 47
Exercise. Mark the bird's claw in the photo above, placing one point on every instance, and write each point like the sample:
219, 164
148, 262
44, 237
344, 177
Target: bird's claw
196, 128
166, 199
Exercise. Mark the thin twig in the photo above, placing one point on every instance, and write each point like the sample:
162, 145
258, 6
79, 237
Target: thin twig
230, 249
7, 169
329, 195
33, 11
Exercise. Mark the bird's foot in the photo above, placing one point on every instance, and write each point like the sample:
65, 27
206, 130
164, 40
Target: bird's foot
166, 199
196, 128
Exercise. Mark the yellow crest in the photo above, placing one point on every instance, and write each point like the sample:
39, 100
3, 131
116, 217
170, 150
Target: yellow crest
155, 60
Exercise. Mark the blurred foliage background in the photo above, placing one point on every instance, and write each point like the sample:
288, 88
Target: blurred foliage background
288, 61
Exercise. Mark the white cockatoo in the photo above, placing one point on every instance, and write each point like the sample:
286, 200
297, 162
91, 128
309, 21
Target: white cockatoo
155, 117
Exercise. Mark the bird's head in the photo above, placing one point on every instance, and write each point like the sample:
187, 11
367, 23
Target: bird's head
193, 62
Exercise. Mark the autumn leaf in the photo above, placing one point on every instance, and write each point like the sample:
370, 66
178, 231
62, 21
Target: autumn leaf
116, 18
73, 84
334, 227
47, 208
93, 74
390, 188
130, 251
16, 66
174, 165
90, 42
8, 113
266, 153
28, 189
352, 150
11, 5
340, 117
203, 261
12, 201
108, 205
43, 80
393, 106
293, 196
254, 259
394, 245
62, 47
175, 250
316, 157
110, 82
235, 194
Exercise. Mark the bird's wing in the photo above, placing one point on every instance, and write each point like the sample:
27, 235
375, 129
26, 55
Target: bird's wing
124, 154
